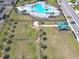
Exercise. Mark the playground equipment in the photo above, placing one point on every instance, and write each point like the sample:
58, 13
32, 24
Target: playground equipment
62, 26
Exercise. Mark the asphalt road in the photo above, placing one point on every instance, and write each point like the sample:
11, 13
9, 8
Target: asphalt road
71, 16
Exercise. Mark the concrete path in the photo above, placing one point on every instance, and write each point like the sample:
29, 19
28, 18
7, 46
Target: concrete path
48, 25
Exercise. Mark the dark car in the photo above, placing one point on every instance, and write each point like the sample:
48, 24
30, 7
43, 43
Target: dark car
73, 22
78, 32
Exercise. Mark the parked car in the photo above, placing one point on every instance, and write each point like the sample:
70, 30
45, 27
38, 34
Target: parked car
73, 22
78, 32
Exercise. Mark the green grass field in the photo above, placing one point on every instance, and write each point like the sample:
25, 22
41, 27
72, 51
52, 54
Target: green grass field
23, 45
72, 1
23, 49
60, 45
76, 7
51, 1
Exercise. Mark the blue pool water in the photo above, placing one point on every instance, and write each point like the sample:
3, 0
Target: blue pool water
39, 8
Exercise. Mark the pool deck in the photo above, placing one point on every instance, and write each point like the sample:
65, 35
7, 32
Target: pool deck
36, 11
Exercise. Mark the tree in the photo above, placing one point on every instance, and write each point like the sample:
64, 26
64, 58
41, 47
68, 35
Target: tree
6, 49
43, 46
11, 36
16, 22
6, 56
42, 22
9, 41
11, 20
4, 39
6, 33
10, 24
8, 28
14, 26
17, 1
24, 0
44, 57
1, 47
13, 31
44, 38
23, 57
44, 33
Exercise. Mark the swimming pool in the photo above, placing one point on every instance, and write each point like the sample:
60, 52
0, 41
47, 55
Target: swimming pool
39, 8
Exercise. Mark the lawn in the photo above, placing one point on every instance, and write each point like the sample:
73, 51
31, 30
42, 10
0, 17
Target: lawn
76, 7
51, 1
72, 1
23, 49
60, 45
24, 30
23, 45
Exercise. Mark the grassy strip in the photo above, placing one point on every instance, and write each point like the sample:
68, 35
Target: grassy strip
76, 7
51, 1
